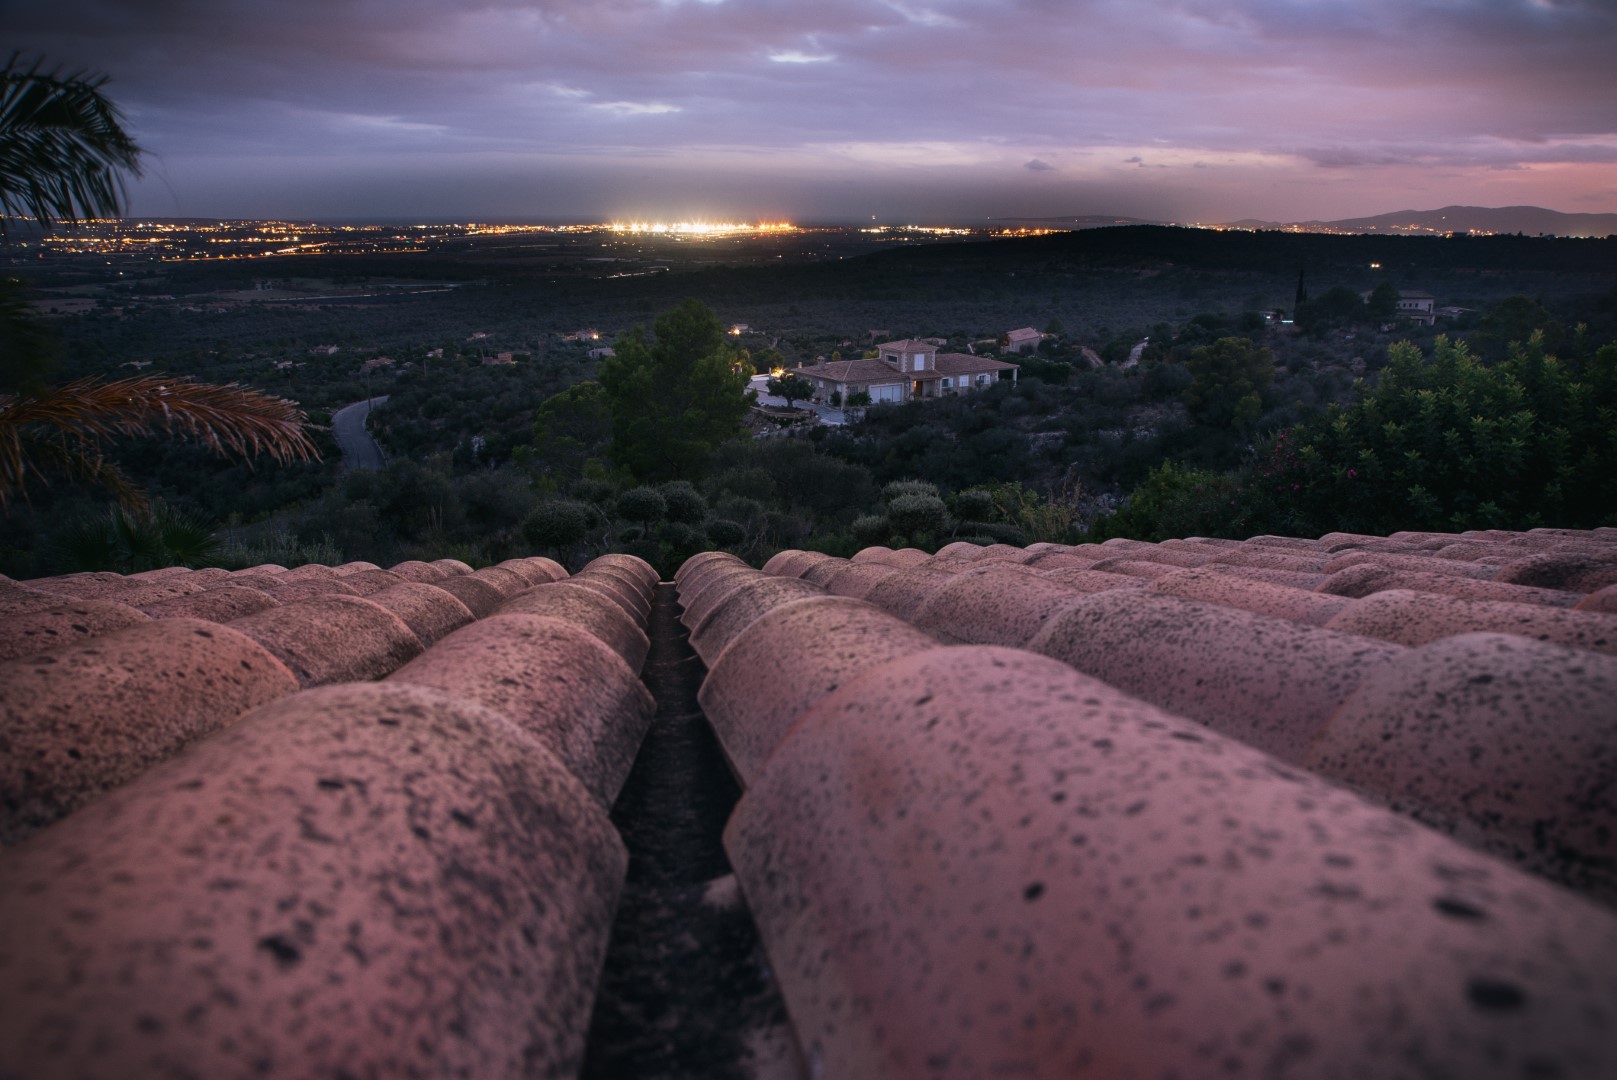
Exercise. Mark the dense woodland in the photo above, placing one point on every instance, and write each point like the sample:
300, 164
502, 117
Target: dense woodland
1327, 413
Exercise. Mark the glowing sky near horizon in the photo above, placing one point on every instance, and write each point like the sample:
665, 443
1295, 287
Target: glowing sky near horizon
844, 110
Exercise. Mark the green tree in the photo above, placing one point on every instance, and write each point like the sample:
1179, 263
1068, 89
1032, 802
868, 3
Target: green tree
1227, 382
792, 387
676, 397
571, 427
1383, 302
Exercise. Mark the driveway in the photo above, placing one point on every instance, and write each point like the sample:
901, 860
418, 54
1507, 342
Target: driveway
826, 413
359, 450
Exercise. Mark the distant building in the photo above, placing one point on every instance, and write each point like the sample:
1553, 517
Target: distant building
1417, 306
904, 371
602, 353
502, 359
324, 350
376, 363
1023, 341
737, 329
582, 335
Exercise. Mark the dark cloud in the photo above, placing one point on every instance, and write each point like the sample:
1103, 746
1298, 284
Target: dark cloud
462, 99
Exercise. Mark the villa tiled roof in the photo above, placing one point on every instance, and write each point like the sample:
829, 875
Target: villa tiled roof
1304, 807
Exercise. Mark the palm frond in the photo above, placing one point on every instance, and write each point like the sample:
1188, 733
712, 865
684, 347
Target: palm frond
69, 425
63, 148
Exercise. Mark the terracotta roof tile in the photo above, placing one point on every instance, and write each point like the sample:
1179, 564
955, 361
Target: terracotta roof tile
726, 617
1419, 563
221, 604
876, 553
430, 612
902, 558
701, 591
1506, 744
786, 661
638, 567
1283, 543
533, 571
1261, 597
1271, 559
903, 592
85, 717
962, 549
1297, 579
1269, 682
1129, 566
358, 566
589, 610
1576, 573
1092, 581
792, 563
1364, 579
857, 579
1415, 618
451, 566
991, 605
481, 597
415, 570
333, 638
29, 632
625, 595
16, 598
365, 880
1050, 560
553, 679
507, 582
366, 582
960, 860
309, 572
1602, 600
697, 563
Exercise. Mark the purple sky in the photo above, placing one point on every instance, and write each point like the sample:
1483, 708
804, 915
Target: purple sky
820, 110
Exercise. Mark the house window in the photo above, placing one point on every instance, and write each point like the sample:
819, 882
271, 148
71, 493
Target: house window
948, 383
920, 361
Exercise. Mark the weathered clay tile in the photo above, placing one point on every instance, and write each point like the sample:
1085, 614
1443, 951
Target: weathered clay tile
876, 553
507, 582
1272, 559
857, 579
290, 592
1505, 743
703, 559
480, 597
588, 609
358, 566
222, 604
989, 606
964, 550
726, 617
700, 592
262, 568
788, 659
1297, 579
555, 569
1092, 581
360, 881
1052, 560
972, 863
633, 582
630, 598
792, 562
85, 717
452, 566
366, 582
416, 570
1200, 543
1601, 600
902, 593
1364, 579
429, 611
643, 571
1426, 564
1129, 566
1007, 553
529, 570
1415, 618
1466, 550
906, 557
16, 598
697, 572
161, 573
1282, 543
553, 679
333, 638
309, 572
1575, 573
29, 632
1269, 682
1169, 556
1118, 544
1262, 597
821, 572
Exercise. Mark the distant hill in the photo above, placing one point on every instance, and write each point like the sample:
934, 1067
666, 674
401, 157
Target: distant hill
1528, 220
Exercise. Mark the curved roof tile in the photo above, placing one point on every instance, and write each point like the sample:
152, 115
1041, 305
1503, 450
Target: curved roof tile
333, 638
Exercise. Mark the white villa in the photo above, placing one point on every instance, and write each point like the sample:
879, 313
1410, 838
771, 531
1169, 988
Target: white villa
905, 370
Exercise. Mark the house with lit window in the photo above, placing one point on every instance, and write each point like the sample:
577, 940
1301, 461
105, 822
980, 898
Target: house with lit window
1024, 341
904, 371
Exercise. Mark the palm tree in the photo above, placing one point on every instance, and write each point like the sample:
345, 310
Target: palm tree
63, 155
63, 148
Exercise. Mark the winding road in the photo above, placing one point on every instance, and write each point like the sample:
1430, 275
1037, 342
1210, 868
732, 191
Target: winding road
359, 450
